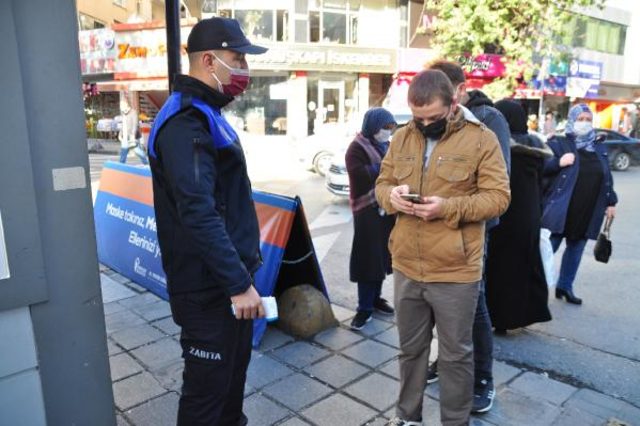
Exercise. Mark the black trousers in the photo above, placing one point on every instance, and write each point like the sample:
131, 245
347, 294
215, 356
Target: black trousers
216, 348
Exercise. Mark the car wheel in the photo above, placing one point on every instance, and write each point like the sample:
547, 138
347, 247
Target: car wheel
322, 162
621, 161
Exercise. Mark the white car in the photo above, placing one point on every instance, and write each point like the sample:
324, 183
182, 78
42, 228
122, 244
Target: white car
316, 151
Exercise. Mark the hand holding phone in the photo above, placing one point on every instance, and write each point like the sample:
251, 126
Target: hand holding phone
414, 198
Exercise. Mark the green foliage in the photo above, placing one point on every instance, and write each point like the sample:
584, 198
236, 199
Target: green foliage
522, 31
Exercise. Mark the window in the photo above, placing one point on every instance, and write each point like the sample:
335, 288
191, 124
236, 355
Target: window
121, 3
257, 24
333, 21
596, 34
89, 23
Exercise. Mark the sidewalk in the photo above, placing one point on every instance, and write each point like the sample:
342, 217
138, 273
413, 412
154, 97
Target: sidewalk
339, 378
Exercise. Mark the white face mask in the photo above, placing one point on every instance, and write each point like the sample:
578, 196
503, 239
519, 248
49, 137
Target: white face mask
581, 128
383, 135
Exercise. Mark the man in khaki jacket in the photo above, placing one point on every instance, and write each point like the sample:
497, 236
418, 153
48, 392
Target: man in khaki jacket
454, 165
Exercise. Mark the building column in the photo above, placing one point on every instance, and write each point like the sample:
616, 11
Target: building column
363, 93
297, 113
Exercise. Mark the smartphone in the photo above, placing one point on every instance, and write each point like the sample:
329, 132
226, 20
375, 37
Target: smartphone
414, 198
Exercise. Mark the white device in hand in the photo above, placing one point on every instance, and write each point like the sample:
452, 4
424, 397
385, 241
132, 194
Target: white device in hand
270, 308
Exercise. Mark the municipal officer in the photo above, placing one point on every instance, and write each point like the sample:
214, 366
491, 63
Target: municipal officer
207, 224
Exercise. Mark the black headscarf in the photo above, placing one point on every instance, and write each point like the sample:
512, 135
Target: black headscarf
514, 113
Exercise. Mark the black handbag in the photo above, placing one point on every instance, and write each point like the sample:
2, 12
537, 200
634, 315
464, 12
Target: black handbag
602, 249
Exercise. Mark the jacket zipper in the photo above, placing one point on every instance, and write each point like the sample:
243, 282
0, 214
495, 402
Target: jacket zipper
196, 159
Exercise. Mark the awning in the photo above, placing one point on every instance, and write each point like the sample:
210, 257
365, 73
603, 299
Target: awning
139, 85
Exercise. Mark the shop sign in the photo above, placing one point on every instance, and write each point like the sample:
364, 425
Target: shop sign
304, 57
584, 79
485, 66
97, 51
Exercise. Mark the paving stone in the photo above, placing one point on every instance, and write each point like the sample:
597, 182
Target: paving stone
378, 421
112, 308
390, 337
371, 353
297, 391
119, 278
300, 354
384, 317
337, 338
598, 405
161, 411
262, 412
342, 314
433, 390
170, 376
112, 348
121, 320
139, 300
376, 390
122, 366
294, 421
113, 290
136, 287
153, 311
538, 386
159, 354
340, 410
248, 390
264, 370
503, 373
391, 368
274, 338
103, 268
375, 326
575, 417
135, 390
121, 421
337, 371
513, 408
167, 326
139, 335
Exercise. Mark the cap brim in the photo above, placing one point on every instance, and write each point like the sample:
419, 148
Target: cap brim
250, 49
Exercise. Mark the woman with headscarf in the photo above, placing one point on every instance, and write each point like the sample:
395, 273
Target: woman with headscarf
579, 196
370, 258
516, 288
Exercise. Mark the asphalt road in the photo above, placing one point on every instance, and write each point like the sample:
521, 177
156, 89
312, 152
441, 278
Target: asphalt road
596, 345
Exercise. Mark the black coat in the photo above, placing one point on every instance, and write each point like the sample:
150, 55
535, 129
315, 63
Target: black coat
516, 288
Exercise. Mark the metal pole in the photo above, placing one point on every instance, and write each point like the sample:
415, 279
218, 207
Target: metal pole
172, 16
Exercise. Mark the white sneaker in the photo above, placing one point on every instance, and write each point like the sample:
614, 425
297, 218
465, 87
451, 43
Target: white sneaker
397, 421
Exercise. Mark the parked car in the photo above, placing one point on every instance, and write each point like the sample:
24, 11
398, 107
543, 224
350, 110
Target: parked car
623, 151
316, 151
337, 179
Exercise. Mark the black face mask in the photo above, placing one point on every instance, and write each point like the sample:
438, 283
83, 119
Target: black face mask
434, 130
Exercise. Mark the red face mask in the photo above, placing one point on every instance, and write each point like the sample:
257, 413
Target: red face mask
239, 80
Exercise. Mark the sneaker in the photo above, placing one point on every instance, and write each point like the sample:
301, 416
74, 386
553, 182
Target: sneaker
397, 421
483, 396
381, 305
432, 373
360, 320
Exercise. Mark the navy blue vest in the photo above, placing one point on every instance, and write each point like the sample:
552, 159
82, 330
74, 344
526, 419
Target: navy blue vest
221, 131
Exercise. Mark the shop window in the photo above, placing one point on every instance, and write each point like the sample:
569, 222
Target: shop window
314, 27
334, 28
257, 24
263, 108
224, 13
333, 21
282, 25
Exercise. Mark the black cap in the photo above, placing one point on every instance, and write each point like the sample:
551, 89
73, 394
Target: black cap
220, 34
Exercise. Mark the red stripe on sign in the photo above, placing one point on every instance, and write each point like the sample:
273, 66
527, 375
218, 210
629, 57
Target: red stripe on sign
275, 224
127, 185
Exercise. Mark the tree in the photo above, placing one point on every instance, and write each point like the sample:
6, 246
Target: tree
525, 32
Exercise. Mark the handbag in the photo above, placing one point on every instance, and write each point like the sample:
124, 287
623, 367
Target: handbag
602, 249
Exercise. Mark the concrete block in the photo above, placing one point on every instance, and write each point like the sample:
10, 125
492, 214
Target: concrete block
378, 391
392, 368
139, 300
263, 412
340, 410
337, 338
574, 417
122, 320
342, 314
274, 338
337, 371
264, 370
153, 311
371, 353
112, 290
297, 391
122, 366
300, 354
159, 354
170, 376
503, 373
161, 411
389, 337
373, 327
294, 421
135, 390
541, 387
513, 408
133, 337
112, 308
168, 326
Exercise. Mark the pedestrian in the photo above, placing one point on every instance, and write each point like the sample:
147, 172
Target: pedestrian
450, 166
207, 224
549, 124
129, 134
516, 287
579, 196
482, 108
370, 258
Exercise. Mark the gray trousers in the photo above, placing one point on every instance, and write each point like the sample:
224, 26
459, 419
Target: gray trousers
453, 306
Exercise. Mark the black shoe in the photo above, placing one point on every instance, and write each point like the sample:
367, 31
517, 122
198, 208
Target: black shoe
483, 395
381, 305
568, 296
432, 373
360, 320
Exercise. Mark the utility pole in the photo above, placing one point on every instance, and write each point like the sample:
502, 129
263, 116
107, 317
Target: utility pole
172, 18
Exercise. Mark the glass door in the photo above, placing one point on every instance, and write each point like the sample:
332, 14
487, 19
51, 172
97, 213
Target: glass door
331, 101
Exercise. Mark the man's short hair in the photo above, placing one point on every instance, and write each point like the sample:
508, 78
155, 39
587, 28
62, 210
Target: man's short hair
428, 86
453, 70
